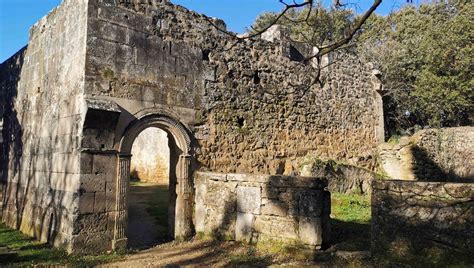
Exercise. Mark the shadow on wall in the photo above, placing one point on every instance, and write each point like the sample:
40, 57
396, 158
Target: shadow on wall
423, 223
29, 195
425, 169
263, 208
12, 132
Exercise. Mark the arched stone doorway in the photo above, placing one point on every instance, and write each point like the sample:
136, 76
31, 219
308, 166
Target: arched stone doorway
180, 172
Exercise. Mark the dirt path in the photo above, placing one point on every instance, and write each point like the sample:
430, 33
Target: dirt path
194, 253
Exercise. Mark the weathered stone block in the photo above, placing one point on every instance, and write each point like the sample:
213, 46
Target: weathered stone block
244, 226
310, 203
310, 231
275, 208
100, 202
86, 203
91, 224
249, 199
270, 192
420, 217
238, 177
92, 243
263, 224
211, 176
105, 164
86, 163
200, 206
92, 183
284, 227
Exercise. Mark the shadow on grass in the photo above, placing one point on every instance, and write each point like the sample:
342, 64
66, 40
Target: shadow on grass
30, 252
350, 236
149, 216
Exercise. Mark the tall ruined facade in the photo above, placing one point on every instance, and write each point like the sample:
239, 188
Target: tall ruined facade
96, 73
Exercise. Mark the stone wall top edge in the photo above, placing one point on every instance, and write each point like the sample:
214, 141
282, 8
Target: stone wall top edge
377, 183
253, 177
462, 128
52, 13
13, 58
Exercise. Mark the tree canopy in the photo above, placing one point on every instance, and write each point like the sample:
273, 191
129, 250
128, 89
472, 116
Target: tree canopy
426, 56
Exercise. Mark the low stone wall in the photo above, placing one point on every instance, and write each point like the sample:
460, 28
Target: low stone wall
414, 219
445, 154
256, 208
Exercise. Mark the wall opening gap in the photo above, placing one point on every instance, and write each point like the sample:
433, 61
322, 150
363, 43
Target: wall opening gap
151, 196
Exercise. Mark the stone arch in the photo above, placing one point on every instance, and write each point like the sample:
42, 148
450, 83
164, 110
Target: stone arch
182, 168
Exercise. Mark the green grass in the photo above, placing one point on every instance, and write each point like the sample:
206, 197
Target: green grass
34, 253
350, 208
350, 221
156, 204
158, 207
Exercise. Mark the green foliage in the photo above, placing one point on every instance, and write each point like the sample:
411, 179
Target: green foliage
394, 139
425, 55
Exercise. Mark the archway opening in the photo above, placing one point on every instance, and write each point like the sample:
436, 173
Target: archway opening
152, 190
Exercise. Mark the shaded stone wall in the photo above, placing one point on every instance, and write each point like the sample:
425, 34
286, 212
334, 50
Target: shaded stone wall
41, 95
259, 208
445, 154
412, 219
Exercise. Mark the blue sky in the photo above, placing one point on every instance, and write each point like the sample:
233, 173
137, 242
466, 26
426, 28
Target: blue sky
17, 16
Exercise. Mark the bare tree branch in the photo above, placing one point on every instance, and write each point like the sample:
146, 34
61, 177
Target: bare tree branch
331, 47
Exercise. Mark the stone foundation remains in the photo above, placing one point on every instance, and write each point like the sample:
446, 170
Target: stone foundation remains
263, 208
431, 219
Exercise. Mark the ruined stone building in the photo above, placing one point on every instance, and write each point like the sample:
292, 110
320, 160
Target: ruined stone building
238, 116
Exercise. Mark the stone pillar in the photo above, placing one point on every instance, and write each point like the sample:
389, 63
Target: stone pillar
121, 212
184, 199
378, 111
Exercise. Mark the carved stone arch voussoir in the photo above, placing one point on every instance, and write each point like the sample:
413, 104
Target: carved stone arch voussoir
179, 132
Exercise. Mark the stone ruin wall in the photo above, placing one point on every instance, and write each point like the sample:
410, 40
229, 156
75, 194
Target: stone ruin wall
412, 219
251, 108
41, 104
445, 154
428, 209
91, 67
262, 208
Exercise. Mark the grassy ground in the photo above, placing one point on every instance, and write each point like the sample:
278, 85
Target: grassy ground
33, 253
158, 207
350, 221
